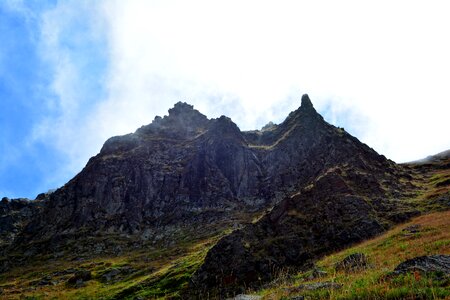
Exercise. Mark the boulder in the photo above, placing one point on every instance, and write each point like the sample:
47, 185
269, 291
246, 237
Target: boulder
317, 286
353, 262
425, 264
79, 278
246, 297
415, 228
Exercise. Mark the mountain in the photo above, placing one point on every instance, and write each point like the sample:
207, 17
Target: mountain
266, 201
184, 171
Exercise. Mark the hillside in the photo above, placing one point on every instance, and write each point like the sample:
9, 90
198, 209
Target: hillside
425, 235
165, 273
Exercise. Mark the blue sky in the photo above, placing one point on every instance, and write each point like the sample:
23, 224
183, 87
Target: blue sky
73, 73
30, 101
23, 81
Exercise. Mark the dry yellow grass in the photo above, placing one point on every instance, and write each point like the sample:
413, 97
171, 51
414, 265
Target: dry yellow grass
384, 252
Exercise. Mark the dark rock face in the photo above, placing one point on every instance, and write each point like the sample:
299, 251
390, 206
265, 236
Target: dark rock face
321, 218
179, 171
14, 215
425, 264
319, 285
79, 278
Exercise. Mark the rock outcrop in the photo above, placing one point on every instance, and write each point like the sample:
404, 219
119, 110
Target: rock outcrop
329, 214
14, 216
425, 264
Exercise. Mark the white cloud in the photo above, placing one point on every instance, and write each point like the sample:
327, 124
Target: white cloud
68, 32
380, 68
384, 61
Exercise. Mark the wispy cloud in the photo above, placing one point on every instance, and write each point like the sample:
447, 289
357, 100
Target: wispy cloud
384, 62
380, 70
73, 44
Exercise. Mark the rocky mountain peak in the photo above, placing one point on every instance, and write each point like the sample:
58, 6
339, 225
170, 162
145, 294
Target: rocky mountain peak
181, 108
307, 105
185, 113
306, 102
224, 125
183, 121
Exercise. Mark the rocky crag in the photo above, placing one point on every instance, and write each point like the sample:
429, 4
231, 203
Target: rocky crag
14, 215
316, 187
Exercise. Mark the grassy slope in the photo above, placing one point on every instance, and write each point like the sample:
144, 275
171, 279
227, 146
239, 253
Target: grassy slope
388, 250
164, 274
156, 274
384, 253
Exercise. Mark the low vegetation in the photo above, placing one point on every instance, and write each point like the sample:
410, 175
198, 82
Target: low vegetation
159, 273
384, 254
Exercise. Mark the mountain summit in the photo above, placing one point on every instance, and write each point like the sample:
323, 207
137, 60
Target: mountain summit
307, 104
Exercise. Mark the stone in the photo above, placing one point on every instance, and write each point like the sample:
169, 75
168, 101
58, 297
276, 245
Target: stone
425, 264
415, 228
14, 216
316, 286
246, 297
353, 262
79, 278
108, 276
116, 274
321, 285
317, 273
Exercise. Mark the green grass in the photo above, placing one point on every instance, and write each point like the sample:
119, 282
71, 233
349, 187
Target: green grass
158, 273
384, 253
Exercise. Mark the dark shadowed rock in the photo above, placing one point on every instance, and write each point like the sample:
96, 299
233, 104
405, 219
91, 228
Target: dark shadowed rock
318, 285
14, 216
115, 274
246, 297
415, 228
353, 262
316, 273
323, 217
425, 264
79, 278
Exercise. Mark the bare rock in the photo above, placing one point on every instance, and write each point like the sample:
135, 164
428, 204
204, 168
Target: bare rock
425, 264
79, 278
353, 262
316, 286
246, 297
412, 229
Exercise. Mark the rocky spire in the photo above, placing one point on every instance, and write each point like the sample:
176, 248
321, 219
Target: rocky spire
307, 104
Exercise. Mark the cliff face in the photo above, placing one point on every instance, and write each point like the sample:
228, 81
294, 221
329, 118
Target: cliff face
331, 213
14, 215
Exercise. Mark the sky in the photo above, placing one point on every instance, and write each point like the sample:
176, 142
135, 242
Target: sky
75, 72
